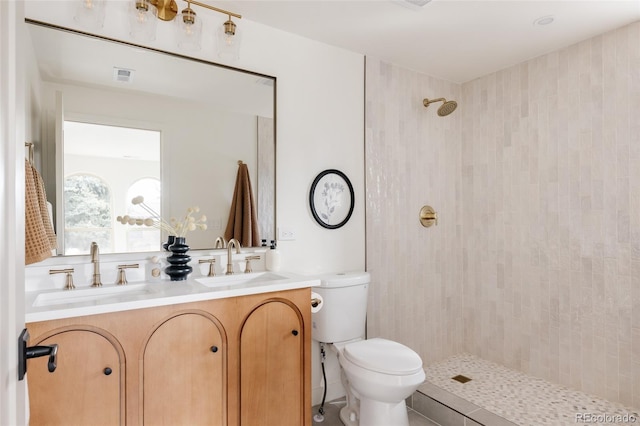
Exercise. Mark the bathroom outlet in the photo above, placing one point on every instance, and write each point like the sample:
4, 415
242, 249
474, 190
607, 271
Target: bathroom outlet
286, 234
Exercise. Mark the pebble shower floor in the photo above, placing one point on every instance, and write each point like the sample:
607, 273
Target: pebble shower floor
525, 400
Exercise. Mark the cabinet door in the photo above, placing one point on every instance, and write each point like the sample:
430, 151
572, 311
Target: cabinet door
271, 366
87, 386
183, 375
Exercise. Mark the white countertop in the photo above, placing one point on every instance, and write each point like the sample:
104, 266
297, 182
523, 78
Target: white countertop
53, 304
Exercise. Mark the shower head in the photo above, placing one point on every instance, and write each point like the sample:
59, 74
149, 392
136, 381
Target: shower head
445, 109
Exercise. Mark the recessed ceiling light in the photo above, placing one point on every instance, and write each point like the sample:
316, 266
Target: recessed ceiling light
544, 20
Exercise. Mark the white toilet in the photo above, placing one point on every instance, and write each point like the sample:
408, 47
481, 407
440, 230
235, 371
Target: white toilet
378, 374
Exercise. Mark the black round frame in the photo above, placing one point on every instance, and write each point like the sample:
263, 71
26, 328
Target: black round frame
312, 193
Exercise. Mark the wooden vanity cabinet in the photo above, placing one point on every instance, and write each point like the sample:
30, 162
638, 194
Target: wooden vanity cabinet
235, 361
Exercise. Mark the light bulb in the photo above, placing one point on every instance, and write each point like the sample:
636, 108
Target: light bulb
188, 30
142, 11
90, 13
88, 4
142, 22
229, 37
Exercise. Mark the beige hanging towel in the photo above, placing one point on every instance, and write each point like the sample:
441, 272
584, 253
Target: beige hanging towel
40, 238
243, 224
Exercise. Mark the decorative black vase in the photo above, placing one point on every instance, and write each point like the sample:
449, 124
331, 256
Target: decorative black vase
170, 241
179, 268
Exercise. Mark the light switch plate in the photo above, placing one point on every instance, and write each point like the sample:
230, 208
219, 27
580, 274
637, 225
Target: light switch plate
286, 234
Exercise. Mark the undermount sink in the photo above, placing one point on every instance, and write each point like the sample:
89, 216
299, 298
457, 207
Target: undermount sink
102, 294
240, 279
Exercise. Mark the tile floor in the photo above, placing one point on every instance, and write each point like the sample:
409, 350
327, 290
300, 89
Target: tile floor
332, 415
522, 399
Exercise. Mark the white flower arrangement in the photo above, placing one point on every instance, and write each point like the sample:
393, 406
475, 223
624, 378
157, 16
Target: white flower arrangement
178, 228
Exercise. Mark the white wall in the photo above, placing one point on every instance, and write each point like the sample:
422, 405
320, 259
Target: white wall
319, 124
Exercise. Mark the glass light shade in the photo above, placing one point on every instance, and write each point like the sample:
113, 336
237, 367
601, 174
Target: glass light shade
142, 21
90, 13
228, 45
188, 30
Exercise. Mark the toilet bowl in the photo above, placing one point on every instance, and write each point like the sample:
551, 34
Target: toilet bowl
377, 374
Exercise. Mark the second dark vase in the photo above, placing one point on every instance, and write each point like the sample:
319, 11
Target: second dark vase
178, 269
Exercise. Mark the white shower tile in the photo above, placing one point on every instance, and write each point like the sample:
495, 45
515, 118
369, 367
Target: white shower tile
536, 259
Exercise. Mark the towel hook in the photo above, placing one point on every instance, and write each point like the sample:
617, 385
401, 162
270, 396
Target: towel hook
30, 146
239, 162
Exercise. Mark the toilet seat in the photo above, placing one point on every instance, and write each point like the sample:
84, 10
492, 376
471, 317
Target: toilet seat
383, 356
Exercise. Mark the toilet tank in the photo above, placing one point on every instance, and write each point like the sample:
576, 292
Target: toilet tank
344, 308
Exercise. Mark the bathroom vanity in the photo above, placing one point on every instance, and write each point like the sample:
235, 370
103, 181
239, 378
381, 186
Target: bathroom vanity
192, 354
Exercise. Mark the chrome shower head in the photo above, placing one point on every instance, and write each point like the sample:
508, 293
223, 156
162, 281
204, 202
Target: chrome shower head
445, 109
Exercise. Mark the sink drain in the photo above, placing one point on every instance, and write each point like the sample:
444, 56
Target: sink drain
462, 379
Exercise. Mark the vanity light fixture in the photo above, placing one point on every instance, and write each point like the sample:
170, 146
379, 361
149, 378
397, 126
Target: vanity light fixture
188, 24
90, 13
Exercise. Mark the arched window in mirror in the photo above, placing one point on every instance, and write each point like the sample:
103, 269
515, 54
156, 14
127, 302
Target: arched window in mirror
87, 213
144, 238
127, 159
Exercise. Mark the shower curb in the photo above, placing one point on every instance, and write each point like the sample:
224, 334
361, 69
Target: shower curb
447, 409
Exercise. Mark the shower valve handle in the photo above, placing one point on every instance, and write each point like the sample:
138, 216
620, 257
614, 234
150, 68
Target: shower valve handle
428, 216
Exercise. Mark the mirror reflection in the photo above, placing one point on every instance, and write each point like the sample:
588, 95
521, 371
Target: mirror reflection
118, 121
104, 163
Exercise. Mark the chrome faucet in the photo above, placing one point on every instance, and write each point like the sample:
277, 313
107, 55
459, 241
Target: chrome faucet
95, 259
220, 243
232, 243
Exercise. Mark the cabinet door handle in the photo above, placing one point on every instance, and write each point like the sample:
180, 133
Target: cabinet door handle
294, 332
214, 349
108, 371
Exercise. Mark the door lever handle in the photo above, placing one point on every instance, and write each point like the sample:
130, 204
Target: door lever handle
26, 352
51, 351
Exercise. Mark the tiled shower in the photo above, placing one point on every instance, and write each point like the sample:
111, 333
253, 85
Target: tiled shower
535, 261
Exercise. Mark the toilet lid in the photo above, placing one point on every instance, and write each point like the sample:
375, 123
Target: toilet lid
383, 356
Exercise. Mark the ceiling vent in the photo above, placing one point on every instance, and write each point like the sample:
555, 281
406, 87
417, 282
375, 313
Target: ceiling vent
123, 75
